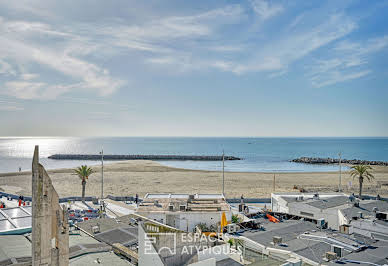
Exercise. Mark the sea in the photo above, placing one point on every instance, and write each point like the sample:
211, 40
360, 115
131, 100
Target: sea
257, 154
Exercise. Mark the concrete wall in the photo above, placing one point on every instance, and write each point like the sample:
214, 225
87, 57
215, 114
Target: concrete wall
148, 258
278, 204
50, 230
208, 262
370, 229
331, 215
219, 252
187, 221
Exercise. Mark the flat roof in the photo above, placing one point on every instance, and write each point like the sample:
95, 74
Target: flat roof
14, 246
15, 220
182, 196
327, 203
366, 208
104, 258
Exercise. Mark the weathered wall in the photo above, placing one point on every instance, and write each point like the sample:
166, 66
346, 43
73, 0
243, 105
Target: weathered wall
50, 232
187, 221
147, 253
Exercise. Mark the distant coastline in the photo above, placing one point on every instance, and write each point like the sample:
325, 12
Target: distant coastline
313, 160
262, 155
95, 157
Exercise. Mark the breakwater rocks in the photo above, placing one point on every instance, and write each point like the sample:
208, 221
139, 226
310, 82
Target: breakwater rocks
141, 157
311, 160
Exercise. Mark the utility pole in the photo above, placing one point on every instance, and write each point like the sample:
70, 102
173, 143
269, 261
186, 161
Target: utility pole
340, 173
273, 182
102, 174
223, 172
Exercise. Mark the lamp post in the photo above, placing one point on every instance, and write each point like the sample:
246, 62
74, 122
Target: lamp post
223, 173
102, 173
340, 173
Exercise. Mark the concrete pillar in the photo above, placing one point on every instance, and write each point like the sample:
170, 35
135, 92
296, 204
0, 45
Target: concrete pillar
50, 229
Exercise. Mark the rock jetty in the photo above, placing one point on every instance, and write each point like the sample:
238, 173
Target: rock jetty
312, 160
96, 157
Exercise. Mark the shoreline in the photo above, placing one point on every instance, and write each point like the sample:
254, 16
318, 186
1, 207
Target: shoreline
127, 178
106, 163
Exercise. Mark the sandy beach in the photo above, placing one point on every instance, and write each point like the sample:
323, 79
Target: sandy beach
131, 177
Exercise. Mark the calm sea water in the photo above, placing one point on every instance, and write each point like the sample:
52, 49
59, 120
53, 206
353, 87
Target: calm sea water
259, 154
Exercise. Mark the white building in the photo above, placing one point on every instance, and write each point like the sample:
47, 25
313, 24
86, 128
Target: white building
313, 206
336, 209
184, 211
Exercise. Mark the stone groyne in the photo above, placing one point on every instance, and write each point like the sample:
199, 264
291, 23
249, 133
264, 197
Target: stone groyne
312, 160
96, 157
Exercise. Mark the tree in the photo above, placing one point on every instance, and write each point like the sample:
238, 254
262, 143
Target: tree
83, 173
361, 172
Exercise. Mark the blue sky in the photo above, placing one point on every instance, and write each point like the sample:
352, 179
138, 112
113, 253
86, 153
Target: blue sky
193, 68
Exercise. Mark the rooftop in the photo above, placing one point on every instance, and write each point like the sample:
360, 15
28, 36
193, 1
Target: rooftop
15, 220
304, 239
366, 208
182, 196
376, 254
84, 250
326, 203
183, 202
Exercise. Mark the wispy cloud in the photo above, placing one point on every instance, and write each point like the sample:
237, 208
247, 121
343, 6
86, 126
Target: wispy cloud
334, 77
22, 89
279, 55
75, 57
19, 48
346, 62
266, 9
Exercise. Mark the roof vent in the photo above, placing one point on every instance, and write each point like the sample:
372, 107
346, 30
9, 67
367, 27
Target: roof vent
381, 215
316, 196
277, 240
330, 256
337, 250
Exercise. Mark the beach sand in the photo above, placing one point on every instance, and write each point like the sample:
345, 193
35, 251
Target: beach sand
130, 177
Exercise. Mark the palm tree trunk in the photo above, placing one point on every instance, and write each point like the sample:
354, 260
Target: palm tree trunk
83, 190
360, 181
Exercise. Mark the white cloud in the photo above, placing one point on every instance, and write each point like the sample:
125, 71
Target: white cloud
279, 54
17, 45
172, 43
159, 35
6, 68
346, 62
337, 77
22, 89
28, 76
275, 56
266, 9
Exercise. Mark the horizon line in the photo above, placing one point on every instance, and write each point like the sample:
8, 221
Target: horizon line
174, 136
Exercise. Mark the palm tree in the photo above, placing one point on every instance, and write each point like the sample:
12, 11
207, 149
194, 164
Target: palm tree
361, 172
83, 172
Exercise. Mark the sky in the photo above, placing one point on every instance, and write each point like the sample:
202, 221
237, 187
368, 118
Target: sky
193, 68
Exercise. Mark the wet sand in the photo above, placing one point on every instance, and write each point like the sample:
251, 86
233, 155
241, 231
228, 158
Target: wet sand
131, 177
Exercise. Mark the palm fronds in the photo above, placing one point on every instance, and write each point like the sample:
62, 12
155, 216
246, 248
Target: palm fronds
83, 172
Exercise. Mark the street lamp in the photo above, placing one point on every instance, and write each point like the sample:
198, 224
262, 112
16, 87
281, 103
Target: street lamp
102, 173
